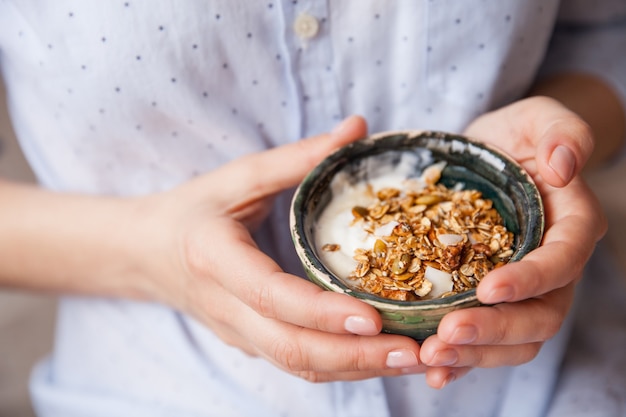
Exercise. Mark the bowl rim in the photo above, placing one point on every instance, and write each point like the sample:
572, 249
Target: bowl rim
457, 143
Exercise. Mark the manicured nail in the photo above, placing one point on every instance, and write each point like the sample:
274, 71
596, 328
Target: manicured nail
402, 358
360, 325
500, 295
445, 357
563, 162
463, 335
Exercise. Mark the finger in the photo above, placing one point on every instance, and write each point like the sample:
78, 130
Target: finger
542, 129
301, 350
260, 283
440, 354
310, 354
549, 267
439, 377
565, 145
533, 320
266, 173
563, 141
575, 225
313, 376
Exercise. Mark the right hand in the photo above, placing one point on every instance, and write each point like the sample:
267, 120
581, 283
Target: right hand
201, 259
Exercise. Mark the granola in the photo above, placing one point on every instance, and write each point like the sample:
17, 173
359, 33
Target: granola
426, 234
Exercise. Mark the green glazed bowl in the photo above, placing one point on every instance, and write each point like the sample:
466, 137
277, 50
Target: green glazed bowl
474, 165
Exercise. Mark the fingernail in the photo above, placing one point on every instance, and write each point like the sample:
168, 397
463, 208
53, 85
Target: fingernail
449, 379
563, 162
500, 295
463, 335
445, 357
360, 325
402, 358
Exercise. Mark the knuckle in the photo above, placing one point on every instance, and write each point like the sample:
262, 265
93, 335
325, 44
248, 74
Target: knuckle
500, 328
310, 376
359, 359
551, 325
317, 310
480, 359
261, 299
579, 131
290, 356
194, 255
586, 136
500, 334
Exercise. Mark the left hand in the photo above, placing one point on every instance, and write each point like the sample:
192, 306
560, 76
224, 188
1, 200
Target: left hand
533, 296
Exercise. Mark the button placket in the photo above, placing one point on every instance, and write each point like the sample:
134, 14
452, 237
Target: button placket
310, 50
306, 26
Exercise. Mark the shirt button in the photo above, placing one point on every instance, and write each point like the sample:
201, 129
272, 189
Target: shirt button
306, 26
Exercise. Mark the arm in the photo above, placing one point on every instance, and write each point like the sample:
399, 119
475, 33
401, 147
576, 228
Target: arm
191, 248
66, 243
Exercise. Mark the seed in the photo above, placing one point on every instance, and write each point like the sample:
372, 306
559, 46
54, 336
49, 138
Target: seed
428, 200
424, 289
331, 247
361, 269
417, 209
401, 264
387, 193
494, 246
403, 277
432, 174
403, 229
481, 248
359, 212
395, 264
415, 265
379, 211
464, 280
373, 287
406, 203
448, 294
467, 270
380, 248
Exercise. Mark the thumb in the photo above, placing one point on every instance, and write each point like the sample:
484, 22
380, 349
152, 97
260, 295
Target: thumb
280, 168
563, 148
540, 129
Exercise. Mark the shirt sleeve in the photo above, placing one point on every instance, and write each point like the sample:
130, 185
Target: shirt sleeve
590, 37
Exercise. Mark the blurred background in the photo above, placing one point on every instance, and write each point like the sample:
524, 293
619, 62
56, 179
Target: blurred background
27, 320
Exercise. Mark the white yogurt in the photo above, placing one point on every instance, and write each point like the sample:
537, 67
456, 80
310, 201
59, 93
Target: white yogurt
335, 226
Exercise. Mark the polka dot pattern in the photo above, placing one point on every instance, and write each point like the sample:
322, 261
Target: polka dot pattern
157, 67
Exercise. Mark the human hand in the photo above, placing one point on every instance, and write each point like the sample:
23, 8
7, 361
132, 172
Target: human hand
532, 297
207, 265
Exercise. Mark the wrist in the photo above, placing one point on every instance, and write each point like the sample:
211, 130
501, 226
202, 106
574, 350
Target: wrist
69, 243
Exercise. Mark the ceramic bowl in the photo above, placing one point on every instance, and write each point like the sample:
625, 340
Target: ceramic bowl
475, 165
